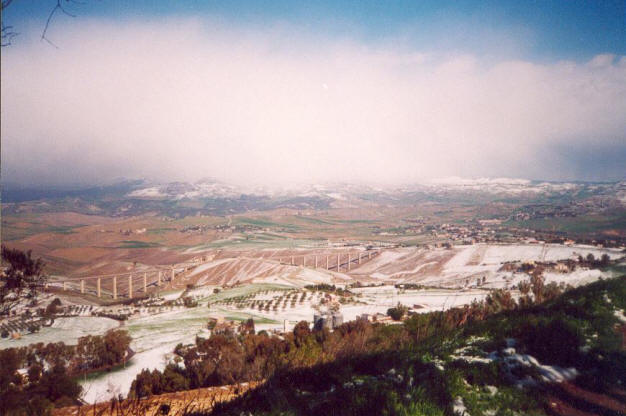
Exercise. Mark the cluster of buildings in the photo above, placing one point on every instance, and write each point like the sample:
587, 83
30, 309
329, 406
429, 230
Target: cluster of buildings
466, 234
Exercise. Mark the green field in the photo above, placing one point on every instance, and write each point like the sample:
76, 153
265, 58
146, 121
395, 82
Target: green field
137, 244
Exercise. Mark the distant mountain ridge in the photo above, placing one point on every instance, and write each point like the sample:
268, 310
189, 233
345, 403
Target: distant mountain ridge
209, 196
340, 191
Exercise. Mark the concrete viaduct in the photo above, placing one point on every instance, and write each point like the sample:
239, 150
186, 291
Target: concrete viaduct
139, 284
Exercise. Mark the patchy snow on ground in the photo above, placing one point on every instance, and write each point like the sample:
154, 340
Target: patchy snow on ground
462, 257
620, 315
173, 295
512, 359
463, 266
379, 299
547, 373
300, 312
118, 382
67, 330
576, 278
399, 274
458, 407
500, 253
154, 338
384, 258
206, 266
240, 270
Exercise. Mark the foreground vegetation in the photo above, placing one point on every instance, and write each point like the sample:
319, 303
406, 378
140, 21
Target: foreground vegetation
49, 371
493, 357
451, 362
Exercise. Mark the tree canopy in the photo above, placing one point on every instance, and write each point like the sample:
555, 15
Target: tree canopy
22, 275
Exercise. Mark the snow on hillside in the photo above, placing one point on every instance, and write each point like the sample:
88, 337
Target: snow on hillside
454, 267
343, 192
508, 186
182, 190
151, 192
230, 271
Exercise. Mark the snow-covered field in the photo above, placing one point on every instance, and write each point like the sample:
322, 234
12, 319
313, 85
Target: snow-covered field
155, 336
67, 330
379, 299
464, 264
154, 339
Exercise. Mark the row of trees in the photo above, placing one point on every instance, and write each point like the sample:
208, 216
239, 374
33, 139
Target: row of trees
592, 262
91, 352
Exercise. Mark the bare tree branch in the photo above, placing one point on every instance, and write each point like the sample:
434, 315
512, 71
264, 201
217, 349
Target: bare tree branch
7, 35
7, 31
5, 3
56, 8
60, 7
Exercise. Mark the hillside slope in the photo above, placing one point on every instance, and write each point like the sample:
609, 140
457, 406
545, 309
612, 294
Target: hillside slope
564, 357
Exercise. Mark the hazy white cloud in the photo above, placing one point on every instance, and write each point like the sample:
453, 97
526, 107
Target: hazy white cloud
186, 99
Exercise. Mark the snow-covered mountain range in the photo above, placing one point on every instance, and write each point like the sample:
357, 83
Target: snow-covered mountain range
502, 187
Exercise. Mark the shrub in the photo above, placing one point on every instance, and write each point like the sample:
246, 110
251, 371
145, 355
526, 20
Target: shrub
53, 307
398, 312
552, 341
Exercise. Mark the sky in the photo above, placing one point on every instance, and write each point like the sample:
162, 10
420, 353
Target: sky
287, 92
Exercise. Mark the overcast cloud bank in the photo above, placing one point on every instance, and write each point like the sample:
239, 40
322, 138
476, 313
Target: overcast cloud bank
185, 99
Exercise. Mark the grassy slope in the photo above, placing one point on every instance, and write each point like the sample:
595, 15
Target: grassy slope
578, 329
